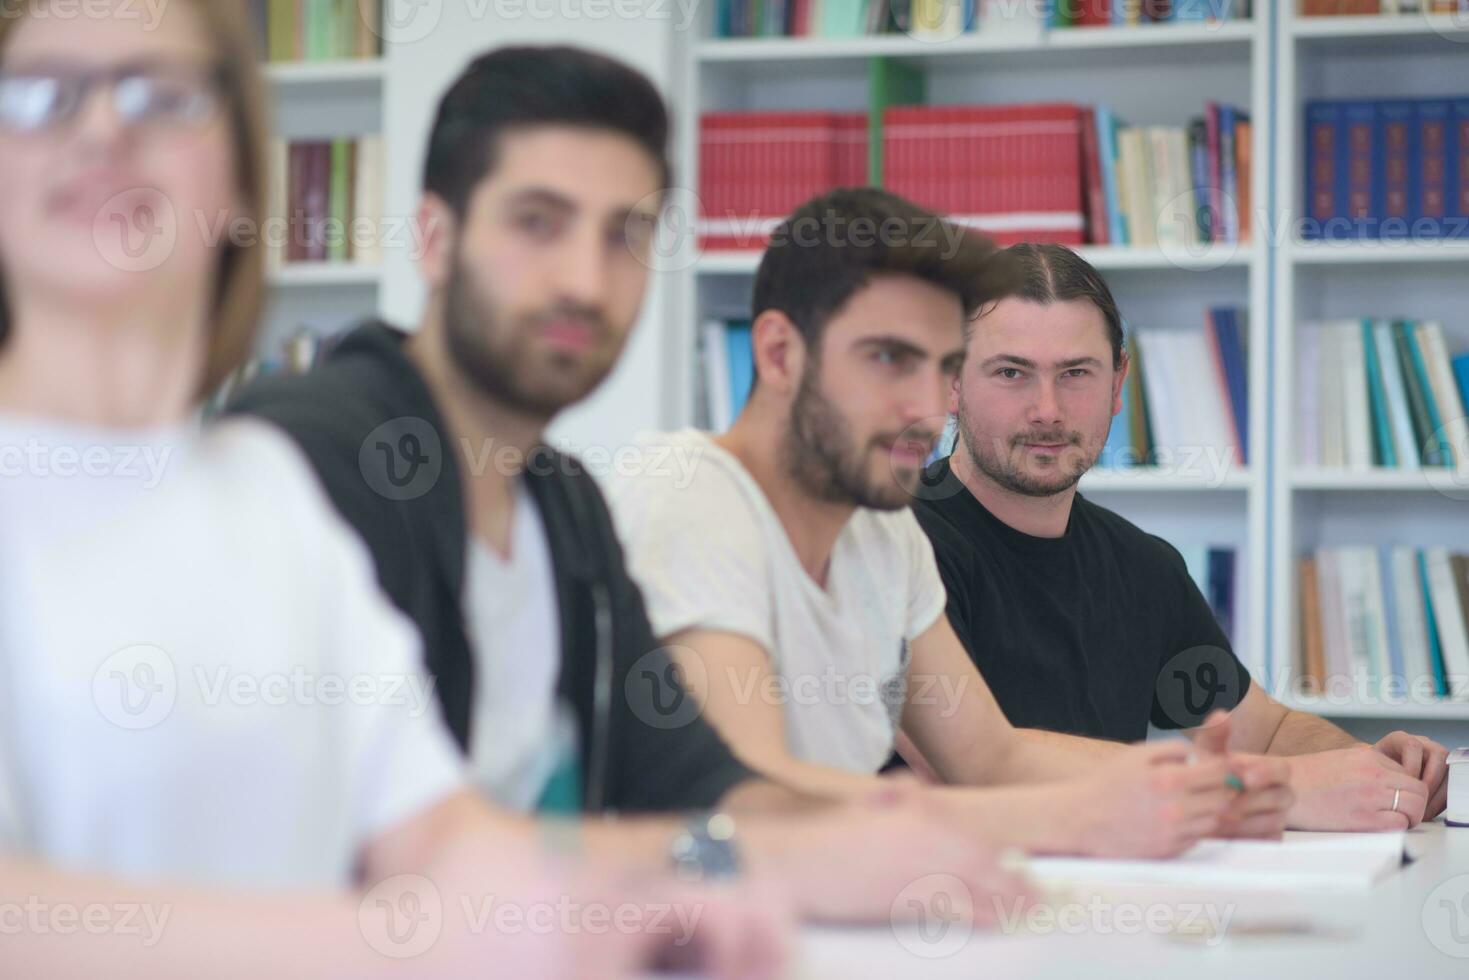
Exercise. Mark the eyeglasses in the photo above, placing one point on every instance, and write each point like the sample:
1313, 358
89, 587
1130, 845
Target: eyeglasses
154, 95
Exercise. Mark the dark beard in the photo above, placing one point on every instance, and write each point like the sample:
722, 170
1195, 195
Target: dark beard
820, 454
497, 369
1006, 473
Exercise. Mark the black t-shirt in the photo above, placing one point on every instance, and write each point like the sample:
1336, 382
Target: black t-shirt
1094, 633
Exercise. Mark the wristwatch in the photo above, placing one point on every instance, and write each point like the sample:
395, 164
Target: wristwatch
705, 850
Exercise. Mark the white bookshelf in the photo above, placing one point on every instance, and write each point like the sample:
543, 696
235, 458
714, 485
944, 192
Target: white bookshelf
320, 100
1121, 67
1406, 56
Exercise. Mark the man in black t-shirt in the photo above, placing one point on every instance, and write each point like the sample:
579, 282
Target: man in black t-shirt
1081, 622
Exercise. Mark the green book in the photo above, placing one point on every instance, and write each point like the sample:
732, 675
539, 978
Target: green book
1416, 383
341, 199
318, 29
1434, 451
1383, 453
282, 31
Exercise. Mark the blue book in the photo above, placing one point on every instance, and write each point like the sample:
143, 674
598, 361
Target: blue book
1390, 604
1405, 443
1230, 338
1118, 453
1436, 452
1325, 157
1198, 143
1228, 228
1461, 374
1221, 587
1360, 143
1107, 150
1384, 454
741, 364
1435, 648
1397, 153
1432, 200
1458, 170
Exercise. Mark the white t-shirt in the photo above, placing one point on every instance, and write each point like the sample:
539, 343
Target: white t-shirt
199, 678
512, 616
711, 554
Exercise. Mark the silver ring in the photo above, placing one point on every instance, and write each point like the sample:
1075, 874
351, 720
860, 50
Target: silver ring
1396, 794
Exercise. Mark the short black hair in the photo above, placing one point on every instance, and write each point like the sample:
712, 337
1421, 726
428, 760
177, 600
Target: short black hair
524, 86
1048, 274
834, 244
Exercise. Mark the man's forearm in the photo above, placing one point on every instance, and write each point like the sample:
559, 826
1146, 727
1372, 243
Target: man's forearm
1037, 756
1301, 733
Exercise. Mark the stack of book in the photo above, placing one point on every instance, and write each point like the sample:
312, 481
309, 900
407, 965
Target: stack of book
948, 18
1380, 393
318, 30
755, 168
326, 200
1391, 619
728, 370
1384, 8
1185, 404
1387, 168
1168, 186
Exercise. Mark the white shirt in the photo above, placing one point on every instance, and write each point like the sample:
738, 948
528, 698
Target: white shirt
511, 614
711, 554
199, 678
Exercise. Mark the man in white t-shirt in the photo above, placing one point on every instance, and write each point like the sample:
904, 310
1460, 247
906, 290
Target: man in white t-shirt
801, 600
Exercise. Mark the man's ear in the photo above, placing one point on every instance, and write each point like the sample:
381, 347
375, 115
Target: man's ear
956, 391
779, 350
1118, 381
435, 230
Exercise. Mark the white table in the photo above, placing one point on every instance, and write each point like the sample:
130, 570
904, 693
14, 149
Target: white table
1388, 932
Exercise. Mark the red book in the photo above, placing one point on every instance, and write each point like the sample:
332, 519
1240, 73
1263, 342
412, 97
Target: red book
1092, 13
1091, 168
296, 175
318, 199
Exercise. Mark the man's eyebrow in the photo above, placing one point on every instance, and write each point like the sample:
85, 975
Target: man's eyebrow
541, 195
1070, 362
897, 343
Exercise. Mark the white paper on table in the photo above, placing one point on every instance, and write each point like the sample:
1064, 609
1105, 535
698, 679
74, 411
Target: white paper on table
1303, 862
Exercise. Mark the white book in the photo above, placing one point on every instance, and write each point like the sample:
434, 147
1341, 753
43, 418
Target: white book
367, 204
1398, 413
1132, 149
1308, 385
716, 376
1338, 654
1445, 391
1162, 413
276, 204
1299, 863
1356, 404
1169, 232
1208, 399
1412, 616
1333, 419
1375, 628
1448, 614
1352, 569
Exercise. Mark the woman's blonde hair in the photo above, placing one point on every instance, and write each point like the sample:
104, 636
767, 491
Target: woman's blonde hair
239, 288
